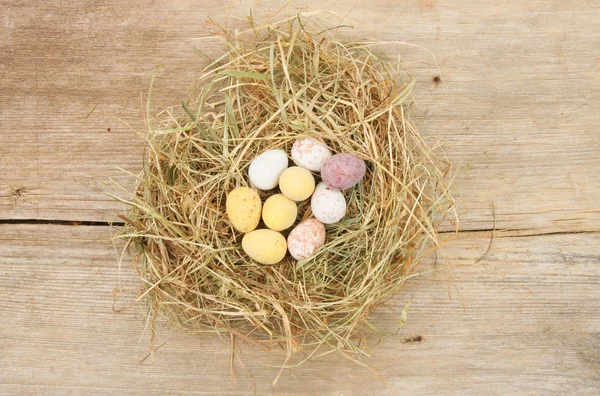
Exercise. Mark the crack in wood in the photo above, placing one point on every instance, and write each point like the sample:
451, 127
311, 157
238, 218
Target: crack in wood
63, 222
501, 233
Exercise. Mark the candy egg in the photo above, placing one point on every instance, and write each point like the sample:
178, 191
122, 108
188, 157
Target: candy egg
306, 238
265, 169
279, 212
243, 209
309, 153
297, 183
343, 171
328, 204
265, 246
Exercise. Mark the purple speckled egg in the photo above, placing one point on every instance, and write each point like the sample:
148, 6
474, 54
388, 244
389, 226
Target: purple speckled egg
343, 171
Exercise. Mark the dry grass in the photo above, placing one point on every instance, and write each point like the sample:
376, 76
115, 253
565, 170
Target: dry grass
276, 83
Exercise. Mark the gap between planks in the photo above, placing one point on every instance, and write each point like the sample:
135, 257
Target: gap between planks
498, 232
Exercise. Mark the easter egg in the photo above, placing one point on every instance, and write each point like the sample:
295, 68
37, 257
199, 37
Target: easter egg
306, 238
343, 171
265, 246
265, 169
328, 204
297, 183
309, 153
243, 209
279, 212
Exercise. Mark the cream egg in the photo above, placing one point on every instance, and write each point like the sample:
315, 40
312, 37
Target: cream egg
265, 169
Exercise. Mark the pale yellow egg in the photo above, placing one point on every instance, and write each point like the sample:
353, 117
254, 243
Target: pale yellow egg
265, 246
243, 209
297, 183
279, 212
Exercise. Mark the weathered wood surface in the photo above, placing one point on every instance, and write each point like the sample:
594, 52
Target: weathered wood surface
517, 105
529, 325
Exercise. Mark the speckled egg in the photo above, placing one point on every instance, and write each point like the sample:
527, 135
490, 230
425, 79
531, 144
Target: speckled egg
297, 183
265, 169
265, 246
328, 204
279, 212
309, 153
343, 171
243, 209
306, 238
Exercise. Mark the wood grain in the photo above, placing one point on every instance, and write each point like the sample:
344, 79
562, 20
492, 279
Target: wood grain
529, 325
516, 101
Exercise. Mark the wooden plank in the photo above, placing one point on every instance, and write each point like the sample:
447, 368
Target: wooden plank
529, 325
515, 103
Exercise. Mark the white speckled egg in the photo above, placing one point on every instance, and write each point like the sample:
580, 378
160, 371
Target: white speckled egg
306, 239
309, 153
328, 204
265, 169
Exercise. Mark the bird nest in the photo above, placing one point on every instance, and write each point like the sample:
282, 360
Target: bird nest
277, 83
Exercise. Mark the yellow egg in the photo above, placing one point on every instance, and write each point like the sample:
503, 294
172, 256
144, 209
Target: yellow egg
279, 212
243, 209
265, 246
297, 183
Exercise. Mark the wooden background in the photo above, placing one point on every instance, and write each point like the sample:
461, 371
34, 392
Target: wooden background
518, 106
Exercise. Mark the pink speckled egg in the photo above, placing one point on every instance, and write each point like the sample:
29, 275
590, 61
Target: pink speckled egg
343, 171
310, 154
306, 239
328, 204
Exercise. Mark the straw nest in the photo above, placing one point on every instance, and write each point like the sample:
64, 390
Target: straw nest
276, 83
